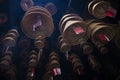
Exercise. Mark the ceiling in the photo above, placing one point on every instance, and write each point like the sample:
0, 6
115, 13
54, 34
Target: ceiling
110, 62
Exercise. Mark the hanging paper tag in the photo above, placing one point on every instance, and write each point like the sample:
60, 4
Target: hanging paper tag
58, 71
103, 37
78, 30
111, 12
32, 71
55, 72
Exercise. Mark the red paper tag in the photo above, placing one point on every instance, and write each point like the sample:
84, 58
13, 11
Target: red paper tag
78, 30
103, 37
111, 12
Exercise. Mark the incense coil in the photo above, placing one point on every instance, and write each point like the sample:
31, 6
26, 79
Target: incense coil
51, 8
54, 64
66, 18
33, 56
32, 62
8, 41
26, 6
14, 31
99, 9
78, 65
95, 65
96, 28
38, 9
10, 38
53, 54
45, 29
4, 64
64, 46
91, 4
53, 58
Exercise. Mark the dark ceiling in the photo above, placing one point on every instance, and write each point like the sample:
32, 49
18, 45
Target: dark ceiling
110, 62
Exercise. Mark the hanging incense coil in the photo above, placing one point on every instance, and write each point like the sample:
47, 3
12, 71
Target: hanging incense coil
53, 54
53, 58
51, 8
32, 62
64, 46
102, 48
3, 18
37, 22
10, 38
39, 42
11, 73
26, 4
73, 29
91, 4
14, 31
77, 65
87, 48
100, 32
6, 60
98, 8
33, 56
54, 64
95, 65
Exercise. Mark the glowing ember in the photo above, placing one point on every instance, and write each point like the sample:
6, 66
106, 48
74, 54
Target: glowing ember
78, 30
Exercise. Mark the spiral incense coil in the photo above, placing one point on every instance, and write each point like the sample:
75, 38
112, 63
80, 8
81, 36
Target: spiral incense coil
102, 48
53, 54
37, 22
87, 48
100, 32
78, 67
33, 56
3, 18
53, 58
14, 31
91, 4
38, 9
11, 73
10, 38
73, 29
66, 18
32, 62
51, 8
64, 46
54, 64
99, 9
26, 4
39, 42
95, 65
